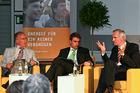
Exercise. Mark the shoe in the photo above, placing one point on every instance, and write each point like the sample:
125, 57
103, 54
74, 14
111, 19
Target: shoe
5, 85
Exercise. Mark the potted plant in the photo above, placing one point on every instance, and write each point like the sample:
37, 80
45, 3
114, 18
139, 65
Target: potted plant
95, 14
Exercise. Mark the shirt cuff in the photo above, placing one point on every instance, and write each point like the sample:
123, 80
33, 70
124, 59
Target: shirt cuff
103, 54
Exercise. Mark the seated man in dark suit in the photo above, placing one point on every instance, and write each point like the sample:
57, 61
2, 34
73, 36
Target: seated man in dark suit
60, 66
124, 55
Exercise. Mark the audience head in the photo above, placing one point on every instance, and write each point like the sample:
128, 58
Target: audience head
21, 39
119, 37
75, 40
15, 87
37, 83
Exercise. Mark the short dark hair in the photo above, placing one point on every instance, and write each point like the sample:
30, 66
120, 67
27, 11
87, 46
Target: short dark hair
15, 87
75, 34
55, 3
17, 34
27, 2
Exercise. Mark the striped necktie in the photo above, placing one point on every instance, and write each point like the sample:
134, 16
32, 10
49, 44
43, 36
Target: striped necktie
20, 54
119, 54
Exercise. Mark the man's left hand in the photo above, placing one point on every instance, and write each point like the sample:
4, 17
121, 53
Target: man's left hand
32, 62
87, 63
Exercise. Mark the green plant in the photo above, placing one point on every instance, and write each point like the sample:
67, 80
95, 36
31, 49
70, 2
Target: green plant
95, 14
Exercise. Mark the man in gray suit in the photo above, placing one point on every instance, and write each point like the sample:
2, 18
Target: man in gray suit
11, 54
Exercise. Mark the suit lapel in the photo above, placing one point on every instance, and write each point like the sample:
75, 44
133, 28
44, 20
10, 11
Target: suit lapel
12, 53
127, 45
65, 52
14, 50
27, 54
26, 51
79, 55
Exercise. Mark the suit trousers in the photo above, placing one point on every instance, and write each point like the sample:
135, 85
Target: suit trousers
59, 67
109, 74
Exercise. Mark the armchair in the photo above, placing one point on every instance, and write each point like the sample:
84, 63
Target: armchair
92, 74
131, 85
88, 72
3, 80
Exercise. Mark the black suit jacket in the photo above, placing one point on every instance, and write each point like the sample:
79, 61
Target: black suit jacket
131, 59
82, 54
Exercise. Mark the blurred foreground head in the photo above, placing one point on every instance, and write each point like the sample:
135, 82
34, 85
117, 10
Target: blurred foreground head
37, 83
15, 87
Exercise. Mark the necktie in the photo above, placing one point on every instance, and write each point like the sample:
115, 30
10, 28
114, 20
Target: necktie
20, 54
119, 54
72, 56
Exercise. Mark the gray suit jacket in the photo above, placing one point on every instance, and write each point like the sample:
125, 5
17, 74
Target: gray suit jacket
9, 55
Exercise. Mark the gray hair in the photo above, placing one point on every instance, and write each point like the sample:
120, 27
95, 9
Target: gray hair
37, 83
121, 33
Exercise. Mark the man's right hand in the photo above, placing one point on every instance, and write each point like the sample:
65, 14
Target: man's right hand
101, 46
9, 65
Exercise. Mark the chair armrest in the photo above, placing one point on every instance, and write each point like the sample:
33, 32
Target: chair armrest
0, 79
0, 75
133, 80
36, 69
88, 72
47, 67
97, 72
0, 71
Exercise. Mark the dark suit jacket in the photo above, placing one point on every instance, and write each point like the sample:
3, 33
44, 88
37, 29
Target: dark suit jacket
82, 54
131, 59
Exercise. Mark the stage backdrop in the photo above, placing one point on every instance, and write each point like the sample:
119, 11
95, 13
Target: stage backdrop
47, 42
46, 24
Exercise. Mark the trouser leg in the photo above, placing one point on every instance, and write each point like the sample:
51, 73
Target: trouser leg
59, 72
101, 85
52, 70
110, 70
55, 64
59, 67
107, 77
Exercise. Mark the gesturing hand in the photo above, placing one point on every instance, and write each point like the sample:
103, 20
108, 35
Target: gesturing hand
32, 62
101, 46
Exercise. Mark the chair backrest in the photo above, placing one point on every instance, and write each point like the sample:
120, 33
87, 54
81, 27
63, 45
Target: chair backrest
0, 58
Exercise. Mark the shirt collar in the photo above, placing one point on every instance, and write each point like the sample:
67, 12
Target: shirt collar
18, 47
72, 49
121, 47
